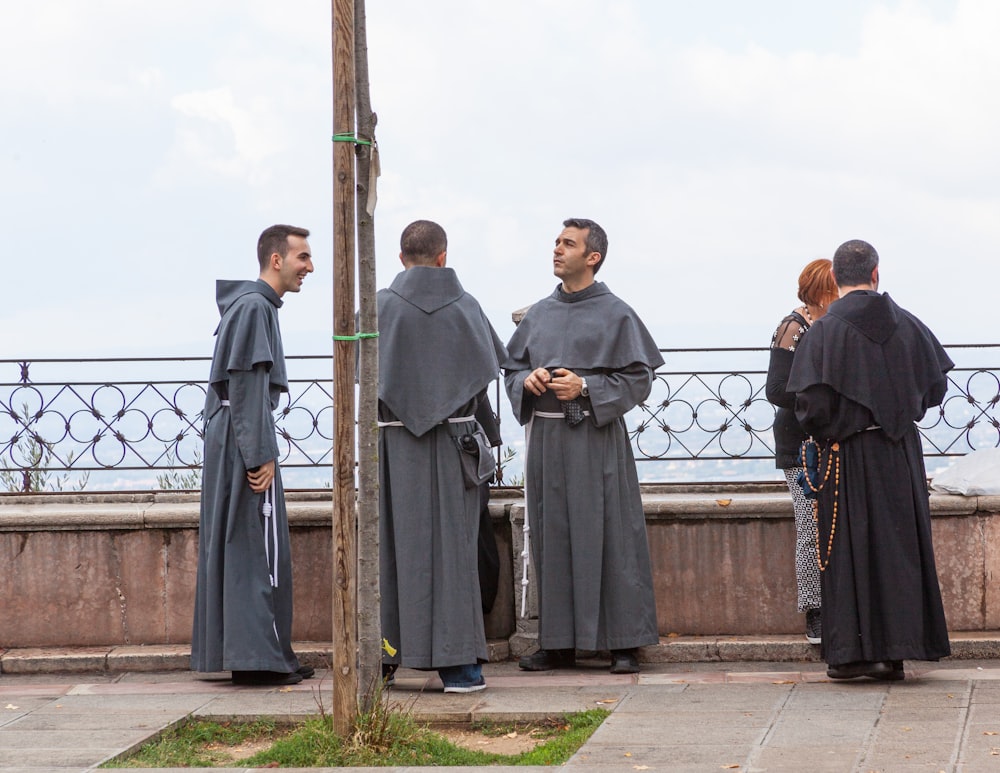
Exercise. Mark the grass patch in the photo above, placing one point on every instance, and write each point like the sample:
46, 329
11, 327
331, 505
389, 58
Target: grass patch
393, 738
203, 744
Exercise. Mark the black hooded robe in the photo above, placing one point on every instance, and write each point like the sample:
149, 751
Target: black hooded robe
865, 373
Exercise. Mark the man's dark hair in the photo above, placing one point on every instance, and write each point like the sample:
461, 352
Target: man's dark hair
853, 263
275, 240
596, 241
422, 241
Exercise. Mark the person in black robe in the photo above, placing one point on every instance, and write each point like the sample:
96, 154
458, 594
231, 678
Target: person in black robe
437, 355
578, 362
243, 595
866, 372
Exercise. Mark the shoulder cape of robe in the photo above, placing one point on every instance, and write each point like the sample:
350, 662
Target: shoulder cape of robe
588, 331
590, 552
869, 361
437, 354
437, 350
243, 598
248, 332
606, 333
876, 354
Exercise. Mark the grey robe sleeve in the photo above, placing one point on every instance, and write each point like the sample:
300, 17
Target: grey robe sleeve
614, 394
521, 402
253, 422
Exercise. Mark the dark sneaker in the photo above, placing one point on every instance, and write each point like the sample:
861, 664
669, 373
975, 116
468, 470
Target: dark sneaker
306, 672
624, 662
814, 626
547, 660
389, 674
476, 686
268, 678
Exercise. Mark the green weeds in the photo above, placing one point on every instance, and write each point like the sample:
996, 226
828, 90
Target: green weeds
392, 738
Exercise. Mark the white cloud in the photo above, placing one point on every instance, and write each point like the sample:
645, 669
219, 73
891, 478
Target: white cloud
243, 146
917, 100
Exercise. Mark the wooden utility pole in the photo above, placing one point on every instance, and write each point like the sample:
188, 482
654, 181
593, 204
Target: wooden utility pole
369, 597
345, 634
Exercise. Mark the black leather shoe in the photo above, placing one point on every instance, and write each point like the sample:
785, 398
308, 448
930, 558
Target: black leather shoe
896, 674
270, 678
546, 660
624, 662
306, 672
881, 669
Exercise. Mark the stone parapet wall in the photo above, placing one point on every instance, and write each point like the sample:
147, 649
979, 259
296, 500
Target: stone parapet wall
119, 569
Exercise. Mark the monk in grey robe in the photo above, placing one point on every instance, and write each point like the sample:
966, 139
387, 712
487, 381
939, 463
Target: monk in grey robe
437, 355
243, 599
579, 360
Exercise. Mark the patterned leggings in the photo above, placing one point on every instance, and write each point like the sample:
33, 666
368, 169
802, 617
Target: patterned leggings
806, 571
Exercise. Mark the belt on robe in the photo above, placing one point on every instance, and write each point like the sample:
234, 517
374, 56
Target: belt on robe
269, 520
554, 415
453, 420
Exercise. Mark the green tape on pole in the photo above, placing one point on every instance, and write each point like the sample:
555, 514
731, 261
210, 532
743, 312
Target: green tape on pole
355, 337
348, 137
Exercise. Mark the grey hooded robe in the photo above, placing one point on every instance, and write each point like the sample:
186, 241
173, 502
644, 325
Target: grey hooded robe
243, 599
437, 354
588, 531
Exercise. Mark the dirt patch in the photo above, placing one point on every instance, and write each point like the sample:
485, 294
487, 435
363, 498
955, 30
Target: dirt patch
239, 751
496, 740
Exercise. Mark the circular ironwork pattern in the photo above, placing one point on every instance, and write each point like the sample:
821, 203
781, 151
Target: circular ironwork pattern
149, 424
966, 419
699, 418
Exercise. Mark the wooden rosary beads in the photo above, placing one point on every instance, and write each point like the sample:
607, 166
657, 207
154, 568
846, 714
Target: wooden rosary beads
832, 462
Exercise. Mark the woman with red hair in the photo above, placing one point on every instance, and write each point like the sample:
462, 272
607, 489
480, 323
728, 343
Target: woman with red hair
817, 290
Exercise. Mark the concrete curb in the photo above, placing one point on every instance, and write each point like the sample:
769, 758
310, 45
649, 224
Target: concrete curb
977, 645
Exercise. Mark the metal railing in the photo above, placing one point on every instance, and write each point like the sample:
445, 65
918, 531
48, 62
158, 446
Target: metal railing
126, 423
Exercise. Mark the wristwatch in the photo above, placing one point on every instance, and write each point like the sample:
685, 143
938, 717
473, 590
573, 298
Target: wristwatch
584, 392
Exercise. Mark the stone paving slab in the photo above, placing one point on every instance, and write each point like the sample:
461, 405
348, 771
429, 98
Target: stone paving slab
75, 740
123, 704
814, 759
840, 727
941, 694
630, 757
986, 719
748, 697
650, 699
830, 695
136, 720
19, 707
57, 759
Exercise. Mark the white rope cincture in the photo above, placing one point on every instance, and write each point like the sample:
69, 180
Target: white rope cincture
453, 420
554, 415
270, 518
526, 529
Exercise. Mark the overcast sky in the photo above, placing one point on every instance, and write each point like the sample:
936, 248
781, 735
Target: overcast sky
722, 144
